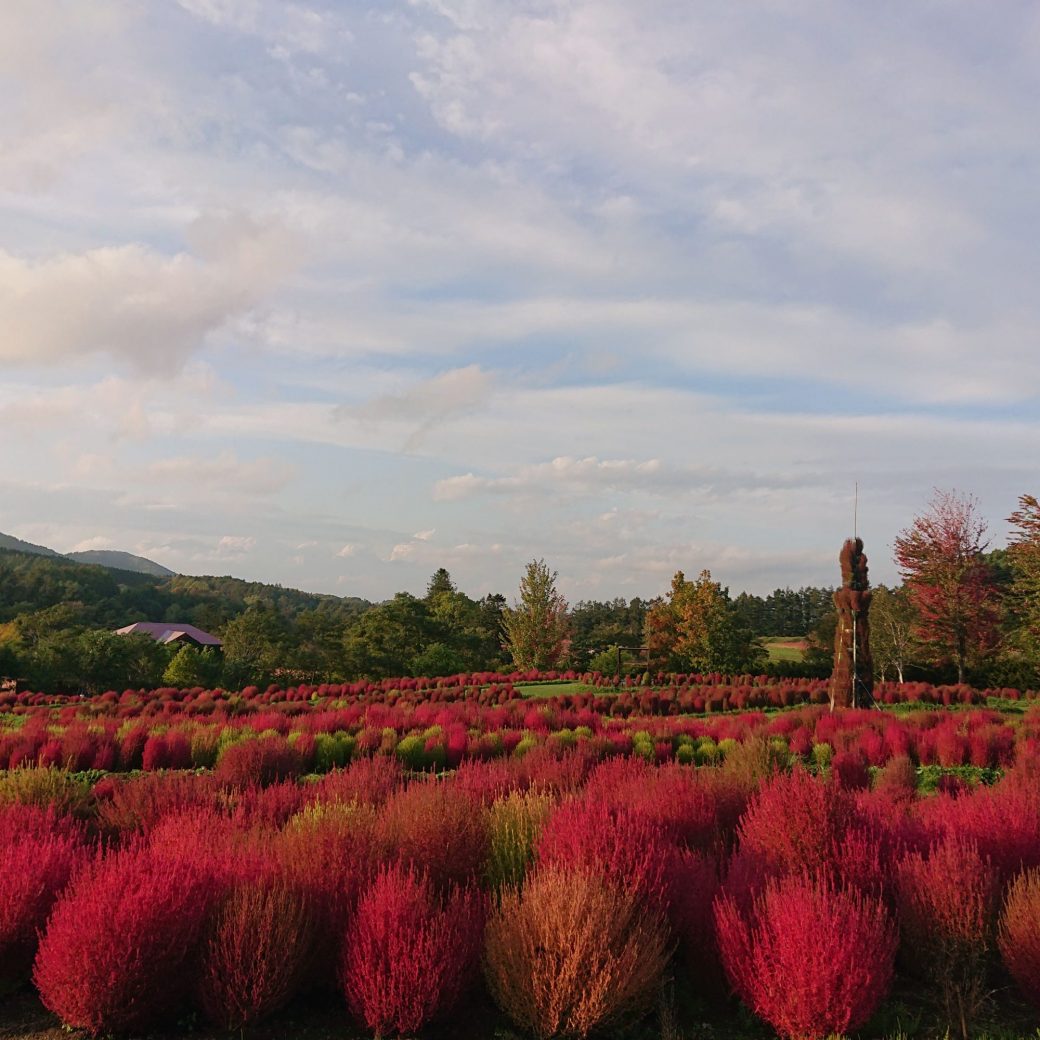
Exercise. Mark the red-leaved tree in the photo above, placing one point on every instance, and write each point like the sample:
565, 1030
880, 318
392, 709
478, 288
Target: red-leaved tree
940, 557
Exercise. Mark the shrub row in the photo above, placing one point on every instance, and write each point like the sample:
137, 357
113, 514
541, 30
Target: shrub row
440, 736
571, 886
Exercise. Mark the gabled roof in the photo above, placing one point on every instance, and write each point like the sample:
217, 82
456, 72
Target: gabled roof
170, 632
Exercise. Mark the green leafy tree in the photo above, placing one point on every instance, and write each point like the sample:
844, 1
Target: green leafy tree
538, 628
598, 626
10, 660
192, 667
819, 651
892, 643
386, 640
1024, 558
440, 584
438, 659
255, 646
456, 624
316, 645
91, 660
491, 654
606, 662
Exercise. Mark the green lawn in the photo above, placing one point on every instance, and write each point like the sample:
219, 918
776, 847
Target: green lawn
558, 689
784, 648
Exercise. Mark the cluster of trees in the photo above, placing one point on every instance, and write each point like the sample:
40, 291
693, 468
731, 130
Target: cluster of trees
57, 618
784, 612
103, 597
962, 613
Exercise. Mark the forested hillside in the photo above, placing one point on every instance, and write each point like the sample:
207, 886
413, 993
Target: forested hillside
107, 598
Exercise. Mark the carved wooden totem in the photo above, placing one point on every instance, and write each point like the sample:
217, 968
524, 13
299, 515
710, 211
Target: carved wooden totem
852, 681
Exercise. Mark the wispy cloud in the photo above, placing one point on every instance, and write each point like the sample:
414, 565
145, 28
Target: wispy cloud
462, 282
225, 473
565, 475
429, 403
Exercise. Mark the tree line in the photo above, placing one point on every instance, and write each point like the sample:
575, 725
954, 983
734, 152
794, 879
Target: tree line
962, 613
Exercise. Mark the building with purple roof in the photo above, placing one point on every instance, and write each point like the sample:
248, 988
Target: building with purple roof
172, 632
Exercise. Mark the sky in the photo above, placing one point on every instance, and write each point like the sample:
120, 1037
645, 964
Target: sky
334, 294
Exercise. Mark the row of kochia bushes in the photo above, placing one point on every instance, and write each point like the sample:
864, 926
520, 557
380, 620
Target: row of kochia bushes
284, 743
672, 695
570, 889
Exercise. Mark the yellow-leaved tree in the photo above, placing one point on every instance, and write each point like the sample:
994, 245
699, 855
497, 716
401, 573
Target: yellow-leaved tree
696, 629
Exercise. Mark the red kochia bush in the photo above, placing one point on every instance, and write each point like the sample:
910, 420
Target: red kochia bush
620, 845
947, 904
259, 762
795, 821
410, 954
810, 958
113, 954
1004, 820
675, 796
139, 804
328, 852
435, 829
370, 780
1019, 936
39, 852
256, 949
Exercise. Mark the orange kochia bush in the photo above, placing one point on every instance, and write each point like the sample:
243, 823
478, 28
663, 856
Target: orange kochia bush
570, 953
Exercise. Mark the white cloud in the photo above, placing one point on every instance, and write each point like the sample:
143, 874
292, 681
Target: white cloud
568, 475
347, 551
286, 27
237, 14
144, 308
224, 473
424, 536
234, 547
97, 542
668, 276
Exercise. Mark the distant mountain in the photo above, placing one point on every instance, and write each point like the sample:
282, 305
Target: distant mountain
110, 597
8, 541
122, 561
111, 558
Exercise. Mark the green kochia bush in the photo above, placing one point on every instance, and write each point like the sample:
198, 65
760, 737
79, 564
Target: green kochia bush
332, 750
515, 822
411, 750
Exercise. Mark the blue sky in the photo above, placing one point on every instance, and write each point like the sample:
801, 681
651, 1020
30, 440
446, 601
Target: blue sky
334, 294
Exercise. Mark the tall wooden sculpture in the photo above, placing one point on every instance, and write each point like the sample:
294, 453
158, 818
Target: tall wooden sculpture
852, 681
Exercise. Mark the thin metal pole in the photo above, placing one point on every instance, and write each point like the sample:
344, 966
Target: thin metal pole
855, 666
